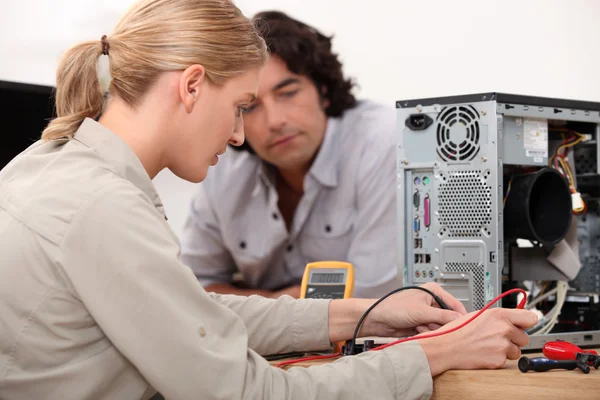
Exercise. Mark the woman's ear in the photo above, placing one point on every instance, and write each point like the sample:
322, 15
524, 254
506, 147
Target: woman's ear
190, 85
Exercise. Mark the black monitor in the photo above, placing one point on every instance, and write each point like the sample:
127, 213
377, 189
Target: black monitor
25, 110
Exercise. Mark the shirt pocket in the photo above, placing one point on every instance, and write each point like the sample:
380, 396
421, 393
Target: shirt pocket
252, 252
327, 236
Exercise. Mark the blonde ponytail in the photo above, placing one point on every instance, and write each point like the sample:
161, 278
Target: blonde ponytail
78, 91
154, 36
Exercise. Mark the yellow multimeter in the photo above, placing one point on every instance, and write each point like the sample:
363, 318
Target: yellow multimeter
328, 280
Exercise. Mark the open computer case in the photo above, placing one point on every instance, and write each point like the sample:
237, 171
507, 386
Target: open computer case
497, 191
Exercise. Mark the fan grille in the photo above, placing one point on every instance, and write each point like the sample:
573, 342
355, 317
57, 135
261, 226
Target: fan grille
458, 133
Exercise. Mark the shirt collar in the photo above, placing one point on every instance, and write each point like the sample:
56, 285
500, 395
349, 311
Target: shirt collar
325, 167
120, 156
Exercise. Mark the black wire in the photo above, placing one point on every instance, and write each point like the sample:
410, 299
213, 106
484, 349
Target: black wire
360, 321
273, 357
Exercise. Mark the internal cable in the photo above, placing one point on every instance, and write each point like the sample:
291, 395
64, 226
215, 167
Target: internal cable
560, 163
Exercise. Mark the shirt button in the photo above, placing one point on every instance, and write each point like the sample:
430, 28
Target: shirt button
327, 228
275, 216
243, 245
290, 248
202, 332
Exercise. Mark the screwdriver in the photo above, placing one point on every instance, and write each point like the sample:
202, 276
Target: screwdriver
543, 364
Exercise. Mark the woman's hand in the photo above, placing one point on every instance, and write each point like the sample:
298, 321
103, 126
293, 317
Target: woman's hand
487, 342
411, 311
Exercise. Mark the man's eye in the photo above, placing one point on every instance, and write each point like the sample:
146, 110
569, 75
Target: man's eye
245, 110
289, 93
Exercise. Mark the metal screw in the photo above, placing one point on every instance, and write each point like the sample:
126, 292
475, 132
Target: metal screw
437, 251
405, 162
483, 112
518, 136
484, 158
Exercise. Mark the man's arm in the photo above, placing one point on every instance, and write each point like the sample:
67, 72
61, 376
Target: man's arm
205, 253
373, 249
122, 262
202, 247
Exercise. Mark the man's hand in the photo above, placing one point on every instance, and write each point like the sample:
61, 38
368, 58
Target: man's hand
411, 311
226, 288
293, 291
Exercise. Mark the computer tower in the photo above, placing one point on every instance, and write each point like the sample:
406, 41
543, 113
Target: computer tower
490, 196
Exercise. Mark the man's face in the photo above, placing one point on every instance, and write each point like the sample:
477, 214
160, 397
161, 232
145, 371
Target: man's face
286, 125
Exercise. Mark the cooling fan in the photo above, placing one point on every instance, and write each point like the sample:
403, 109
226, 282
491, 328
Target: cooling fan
458, 133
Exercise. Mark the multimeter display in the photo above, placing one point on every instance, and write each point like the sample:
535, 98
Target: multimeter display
326, 283
326, 278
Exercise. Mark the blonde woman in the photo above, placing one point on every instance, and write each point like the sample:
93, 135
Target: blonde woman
94, 302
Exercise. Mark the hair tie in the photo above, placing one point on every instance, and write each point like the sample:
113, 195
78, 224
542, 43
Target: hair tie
105, 45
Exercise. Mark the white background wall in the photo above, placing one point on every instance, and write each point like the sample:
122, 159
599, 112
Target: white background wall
396, 49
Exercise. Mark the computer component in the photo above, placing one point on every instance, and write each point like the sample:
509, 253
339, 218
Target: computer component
493, 193
327, 280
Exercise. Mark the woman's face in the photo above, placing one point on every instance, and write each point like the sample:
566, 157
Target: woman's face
213, 118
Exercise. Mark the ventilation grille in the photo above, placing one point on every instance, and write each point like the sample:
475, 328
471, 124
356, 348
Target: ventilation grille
588, 279
465, 204
476, 271
585, 160
458, 134
588, 233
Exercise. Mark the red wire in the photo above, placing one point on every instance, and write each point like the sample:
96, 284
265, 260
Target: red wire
281, 364
520, 306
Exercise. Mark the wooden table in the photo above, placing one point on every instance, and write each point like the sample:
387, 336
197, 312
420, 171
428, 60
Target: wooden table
507, 383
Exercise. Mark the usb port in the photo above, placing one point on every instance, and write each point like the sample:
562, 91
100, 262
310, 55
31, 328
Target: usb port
417, 258
417, 243
427, 258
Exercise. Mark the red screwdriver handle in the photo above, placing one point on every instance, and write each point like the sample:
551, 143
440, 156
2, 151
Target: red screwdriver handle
559, 350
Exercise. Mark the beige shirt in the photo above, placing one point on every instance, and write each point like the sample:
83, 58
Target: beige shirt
95, 304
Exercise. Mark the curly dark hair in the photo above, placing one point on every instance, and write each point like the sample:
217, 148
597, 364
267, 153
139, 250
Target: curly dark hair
306, 51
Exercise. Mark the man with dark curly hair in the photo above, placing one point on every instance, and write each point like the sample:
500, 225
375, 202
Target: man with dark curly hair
314, 181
